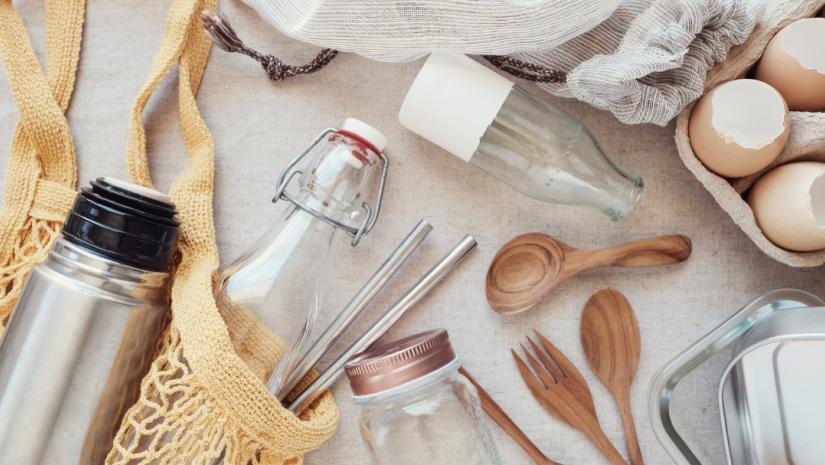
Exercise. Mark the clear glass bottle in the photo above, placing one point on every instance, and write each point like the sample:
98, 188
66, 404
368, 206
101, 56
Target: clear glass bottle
536, 148
282, 277
416, 408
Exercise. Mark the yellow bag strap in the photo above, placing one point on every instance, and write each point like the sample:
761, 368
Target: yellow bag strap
185, 44
42, 170
228, 412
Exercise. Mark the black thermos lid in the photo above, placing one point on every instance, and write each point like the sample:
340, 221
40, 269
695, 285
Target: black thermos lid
125, 223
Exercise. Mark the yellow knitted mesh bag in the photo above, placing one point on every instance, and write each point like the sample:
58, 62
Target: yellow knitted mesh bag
204, 400
41, 171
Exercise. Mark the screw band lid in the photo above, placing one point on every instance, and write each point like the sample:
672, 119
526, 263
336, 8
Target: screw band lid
391, 365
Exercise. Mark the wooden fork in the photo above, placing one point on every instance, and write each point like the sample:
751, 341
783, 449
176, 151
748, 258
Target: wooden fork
562, 391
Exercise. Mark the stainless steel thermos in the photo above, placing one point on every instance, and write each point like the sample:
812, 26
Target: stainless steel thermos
83, 332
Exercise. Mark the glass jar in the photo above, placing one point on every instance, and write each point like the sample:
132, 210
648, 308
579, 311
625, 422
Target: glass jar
537, 149
416, 408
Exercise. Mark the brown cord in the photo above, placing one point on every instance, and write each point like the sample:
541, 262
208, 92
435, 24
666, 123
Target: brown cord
226, 38
524, 70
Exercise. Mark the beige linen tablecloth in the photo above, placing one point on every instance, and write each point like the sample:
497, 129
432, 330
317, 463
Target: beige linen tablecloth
258, 126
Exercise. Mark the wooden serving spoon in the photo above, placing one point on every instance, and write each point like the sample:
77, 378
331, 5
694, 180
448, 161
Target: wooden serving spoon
611, 341
528, 267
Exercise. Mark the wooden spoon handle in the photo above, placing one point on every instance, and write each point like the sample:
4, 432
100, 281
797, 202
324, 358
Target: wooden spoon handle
499, 416
601, 441
662, 250
629, 426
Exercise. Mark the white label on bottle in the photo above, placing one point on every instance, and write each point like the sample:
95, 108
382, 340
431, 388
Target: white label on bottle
453, 101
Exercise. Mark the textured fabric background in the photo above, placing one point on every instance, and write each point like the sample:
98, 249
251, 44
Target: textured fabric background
258, 126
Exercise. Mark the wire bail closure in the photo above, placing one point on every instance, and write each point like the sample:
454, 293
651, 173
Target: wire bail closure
371, 212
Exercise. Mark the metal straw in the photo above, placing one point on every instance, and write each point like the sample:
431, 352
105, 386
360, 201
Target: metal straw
436, 274
359, 302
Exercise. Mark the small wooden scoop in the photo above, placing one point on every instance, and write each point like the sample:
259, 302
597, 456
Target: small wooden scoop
527, 268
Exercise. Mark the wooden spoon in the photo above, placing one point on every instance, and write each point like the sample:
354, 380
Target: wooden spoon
611, 341
528, 267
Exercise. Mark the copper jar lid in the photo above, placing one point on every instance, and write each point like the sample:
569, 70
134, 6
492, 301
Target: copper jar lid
391, 365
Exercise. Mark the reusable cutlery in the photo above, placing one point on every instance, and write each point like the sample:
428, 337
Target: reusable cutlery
562, 391
611, 341
529, 267
498, 415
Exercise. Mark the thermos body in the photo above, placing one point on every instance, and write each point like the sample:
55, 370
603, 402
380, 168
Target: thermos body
74, 355
83, 332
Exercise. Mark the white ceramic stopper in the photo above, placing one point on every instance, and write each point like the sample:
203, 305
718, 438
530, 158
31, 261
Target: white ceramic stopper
453, 101
369, 133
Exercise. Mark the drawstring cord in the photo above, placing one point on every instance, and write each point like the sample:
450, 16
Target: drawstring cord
226, 38
526, 71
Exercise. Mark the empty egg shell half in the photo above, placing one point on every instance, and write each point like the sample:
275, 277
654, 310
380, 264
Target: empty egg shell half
789, 205
794, 64
739, 127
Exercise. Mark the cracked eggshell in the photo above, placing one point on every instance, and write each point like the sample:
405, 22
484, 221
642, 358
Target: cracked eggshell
789, 205
794, 64
739, 127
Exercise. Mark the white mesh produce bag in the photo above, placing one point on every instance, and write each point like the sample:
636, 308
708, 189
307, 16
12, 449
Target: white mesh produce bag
642, 60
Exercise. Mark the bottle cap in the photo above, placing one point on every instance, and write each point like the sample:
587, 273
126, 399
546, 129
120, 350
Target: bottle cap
137, 189
388, 366
366, 132
124, 222
453, 101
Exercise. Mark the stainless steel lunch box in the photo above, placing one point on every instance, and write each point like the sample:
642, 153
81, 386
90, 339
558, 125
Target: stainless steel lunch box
771, 397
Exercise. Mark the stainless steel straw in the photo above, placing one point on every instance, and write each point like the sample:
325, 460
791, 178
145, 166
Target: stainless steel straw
359, 302
436, 274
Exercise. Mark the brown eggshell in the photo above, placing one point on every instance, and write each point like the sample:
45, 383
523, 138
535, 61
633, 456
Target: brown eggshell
789, 205
794, 64
739, 127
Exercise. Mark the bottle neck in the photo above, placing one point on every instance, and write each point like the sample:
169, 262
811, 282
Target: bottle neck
101, 274
550, 156
624, 198
340, 179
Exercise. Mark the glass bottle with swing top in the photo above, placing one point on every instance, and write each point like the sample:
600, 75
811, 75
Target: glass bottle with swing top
282, 278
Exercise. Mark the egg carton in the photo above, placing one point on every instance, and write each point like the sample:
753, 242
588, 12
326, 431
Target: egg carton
806, 141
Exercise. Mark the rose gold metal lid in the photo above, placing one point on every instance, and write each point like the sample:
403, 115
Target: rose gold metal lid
391, 365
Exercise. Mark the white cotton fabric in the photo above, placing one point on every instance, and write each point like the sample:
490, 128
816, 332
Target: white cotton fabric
642, 60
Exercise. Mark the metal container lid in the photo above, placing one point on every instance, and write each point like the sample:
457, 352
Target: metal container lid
389, 366
753, 323
770, 396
